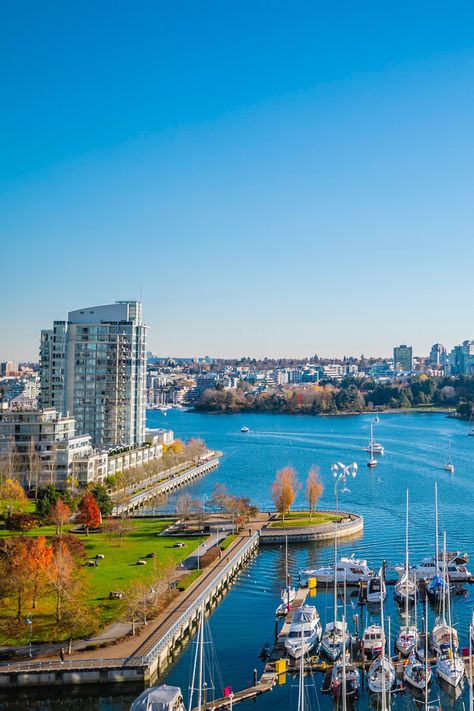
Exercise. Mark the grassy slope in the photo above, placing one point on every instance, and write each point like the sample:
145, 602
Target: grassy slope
116, 572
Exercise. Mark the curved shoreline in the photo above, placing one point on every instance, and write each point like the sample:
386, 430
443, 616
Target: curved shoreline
318, 532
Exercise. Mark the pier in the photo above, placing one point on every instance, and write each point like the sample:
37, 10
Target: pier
166, 486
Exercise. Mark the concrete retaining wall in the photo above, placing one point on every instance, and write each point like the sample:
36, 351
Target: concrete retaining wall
351, 527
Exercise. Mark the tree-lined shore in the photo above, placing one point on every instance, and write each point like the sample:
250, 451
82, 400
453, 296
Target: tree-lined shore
353, 395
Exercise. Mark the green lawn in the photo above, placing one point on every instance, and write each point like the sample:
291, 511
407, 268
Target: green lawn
115, 572
299, 519
227, 541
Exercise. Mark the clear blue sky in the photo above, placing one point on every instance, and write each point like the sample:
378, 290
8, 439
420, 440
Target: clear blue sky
274, 178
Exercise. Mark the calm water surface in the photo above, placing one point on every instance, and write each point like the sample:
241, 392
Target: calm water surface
416, 449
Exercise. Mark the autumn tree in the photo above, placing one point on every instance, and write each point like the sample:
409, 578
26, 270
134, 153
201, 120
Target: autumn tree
38, 560
12, 496
284, 490
314, 489
139, 600
61, 575
184, 504
220, 498
59, 514
78, 618
15, 573
89, 512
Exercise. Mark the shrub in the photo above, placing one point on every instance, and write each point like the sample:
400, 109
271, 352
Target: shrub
22, 522
209, 556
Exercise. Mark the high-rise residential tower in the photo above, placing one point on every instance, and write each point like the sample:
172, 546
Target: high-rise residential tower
93, 366
403, 358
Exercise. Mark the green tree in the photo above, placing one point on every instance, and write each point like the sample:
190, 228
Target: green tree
104, 502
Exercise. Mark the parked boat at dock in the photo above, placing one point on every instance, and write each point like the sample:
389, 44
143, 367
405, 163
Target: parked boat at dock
376, 590
372, 641
352, 570
159, 698
305, 631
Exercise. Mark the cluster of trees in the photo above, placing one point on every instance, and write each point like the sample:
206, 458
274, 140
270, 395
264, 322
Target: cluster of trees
286, 486
238, 507
352, 395
34, 567
176, 454
145, 599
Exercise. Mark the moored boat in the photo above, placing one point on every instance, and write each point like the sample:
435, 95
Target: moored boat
159, 698
305, 631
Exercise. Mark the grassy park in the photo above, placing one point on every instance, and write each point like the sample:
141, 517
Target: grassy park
116, 572
299, 519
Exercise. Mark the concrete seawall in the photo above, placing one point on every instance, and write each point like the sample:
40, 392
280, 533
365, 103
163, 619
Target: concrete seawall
352, 526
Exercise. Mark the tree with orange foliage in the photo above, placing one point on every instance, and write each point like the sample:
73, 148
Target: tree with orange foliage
314, 489
284, 490
59, 514
38, 560
89, 512
61, 574
15, 571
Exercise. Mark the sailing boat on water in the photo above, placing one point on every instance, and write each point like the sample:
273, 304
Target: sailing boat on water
417, 673
449, 665
372, 460
381, 676
336, 636
288, 593
345, 677
405, 591
449, 466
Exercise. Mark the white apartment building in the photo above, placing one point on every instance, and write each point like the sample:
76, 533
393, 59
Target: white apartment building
59, 452
93, 367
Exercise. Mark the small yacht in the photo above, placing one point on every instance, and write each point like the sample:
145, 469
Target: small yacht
455, 565
352, 679
378, 669
372, 641
305, 631
407, 639
159, 698
376, 448
417, 673
244, 429
376, 590
450, 666
441, 635
449, 466
405, 590
335, 639
371, 448
352, 570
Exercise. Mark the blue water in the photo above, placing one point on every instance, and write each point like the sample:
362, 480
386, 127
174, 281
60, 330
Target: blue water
416, 449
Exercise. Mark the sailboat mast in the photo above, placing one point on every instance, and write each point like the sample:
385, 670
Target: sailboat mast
301, 684
436, 528
201, 660
426, 652
446, 579
344, 672
406, 563
471, 699
335, 577
382, 656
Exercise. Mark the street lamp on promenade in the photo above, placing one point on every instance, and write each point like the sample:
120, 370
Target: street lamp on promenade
29, 622
343, 472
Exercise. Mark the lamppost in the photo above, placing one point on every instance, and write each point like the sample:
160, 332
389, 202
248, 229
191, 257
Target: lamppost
29, 622
343, 472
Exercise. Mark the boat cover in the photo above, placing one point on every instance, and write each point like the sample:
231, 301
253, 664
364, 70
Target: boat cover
158, 698
304, 614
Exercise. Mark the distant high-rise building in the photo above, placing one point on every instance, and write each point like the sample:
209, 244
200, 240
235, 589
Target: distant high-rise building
403, 358
461, 359
93, 367
438, 355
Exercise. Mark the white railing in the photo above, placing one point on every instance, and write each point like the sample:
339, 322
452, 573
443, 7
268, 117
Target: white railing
197, 604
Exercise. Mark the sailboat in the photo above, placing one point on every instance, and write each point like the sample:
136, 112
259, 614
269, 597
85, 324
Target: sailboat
381, 676
288, 593
345, 677
449, 466
372, 460
404, 590
449, 666
336, 636
200, 664
417, 673
374, 446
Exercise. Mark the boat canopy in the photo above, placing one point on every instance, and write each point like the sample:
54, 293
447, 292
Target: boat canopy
306, 613
158, 698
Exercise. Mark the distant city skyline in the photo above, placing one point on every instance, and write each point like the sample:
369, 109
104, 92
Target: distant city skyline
269, 179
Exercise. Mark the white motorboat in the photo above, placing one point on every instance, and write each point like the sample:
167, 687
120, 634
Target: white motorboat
456, 568
376, 590
353, 570
377, 448
381, 676
244, 429
159, 698
373, 640
305, 631
416, 673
